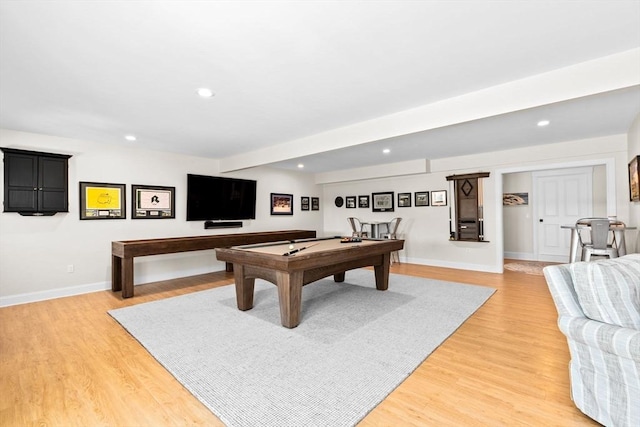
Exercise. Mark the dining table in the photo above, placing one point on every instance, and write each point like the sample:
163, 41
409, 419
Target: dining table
376, 228
618, 229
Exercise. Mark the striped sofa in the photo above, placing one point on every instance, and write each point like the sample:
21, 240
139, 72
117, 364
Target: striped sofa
598, 307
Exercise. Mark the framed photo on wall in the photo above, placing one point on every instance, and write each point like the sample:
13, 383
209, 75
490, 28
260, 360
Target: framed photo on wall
634, 180
404, 200
439, 198
382, 202
304, 203
152, 202
363, 202
281, 204
99, 200
315, 203
421, 198
350, 202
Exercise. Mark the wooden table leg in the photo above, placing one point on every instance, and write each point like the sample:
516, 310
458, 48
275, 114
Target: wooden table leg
338, 278
290, 297
116, 273
382, 272
127, 277
244, 288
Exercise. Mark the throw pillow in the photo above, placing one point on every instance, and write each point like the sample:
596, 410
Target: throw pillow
609, 290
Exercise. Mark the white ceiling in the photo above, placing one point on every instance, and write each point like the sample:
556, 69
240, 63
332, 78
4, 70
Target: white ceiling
284, 71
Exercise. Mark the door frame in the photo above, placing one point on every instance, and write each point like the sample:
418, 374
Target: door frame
608, 162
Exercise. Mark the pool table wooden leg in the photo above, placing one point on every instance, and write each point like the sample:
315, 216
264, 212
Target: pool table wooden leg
244, 288
290, 296
382, 272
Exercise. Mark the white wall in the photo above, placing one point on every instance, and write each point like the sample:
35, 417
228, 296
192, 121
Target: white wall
518, 227
426, 229
35, 251
634, 150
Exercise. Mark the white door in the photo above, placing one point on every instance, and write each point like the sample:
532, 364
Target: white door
560, 197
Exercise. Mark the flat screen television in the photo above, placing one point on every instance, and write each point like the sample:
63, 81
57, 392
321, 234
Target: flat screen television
217, 198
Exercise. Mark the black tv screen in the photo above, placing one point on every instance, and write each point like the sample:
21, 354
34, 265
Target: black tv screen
217, 198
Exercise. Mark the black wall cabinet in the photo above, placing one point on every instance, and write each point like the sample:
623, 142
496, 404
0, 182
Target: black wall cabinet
35, 183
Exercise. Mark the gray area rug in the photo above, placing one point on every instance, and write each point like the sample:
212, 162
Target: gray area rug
353, 347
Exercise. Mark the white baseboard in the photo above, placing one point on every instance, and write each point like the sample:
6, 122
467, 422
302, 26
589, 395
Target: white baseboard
53, 293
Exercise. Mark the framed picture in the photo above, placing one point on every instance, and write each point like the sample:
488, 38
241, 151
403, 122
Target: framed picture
281, 204
363, 202
634, 180
404, 200
382, 202
350, 201
99, 200
439, 198
421, 198
315, 203
515, 199
304, 203
153, 202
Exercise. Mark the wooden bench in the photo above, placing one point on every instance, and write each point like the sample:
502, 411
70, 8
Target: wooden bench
123, 252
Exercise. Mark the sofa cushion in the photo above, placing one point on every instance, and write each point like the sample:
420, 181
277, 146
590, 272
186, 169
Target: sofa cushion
609, 291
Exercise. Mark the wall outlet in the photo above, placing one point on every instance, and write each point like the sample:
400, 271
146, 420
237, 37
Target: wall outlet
70, 268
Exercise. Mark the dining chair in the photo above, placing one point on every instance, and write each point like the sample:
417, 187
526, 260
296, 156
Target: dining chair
356, 227
392, 233
599, 233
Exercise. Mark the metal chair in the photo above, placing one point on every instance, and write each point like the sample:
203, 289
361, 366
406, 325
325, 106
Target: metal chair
599, 243
393, 234
356, 227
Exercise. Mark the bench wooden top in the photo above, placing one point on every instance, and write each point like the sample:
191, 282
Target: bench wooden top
134, 248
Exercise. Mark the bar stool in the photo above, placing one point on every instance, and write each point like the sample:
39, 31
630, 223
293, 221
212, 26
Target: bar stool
599, 243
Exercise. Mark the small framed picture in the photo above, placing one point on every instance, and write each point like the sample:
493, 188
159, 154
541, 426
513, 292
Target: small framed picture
152, 202
515, 199
281, 204
350, 202
382, 202
363, 202
404, 200
634, 180
421, 198
99, 200
304, 203
315, 203
439, 198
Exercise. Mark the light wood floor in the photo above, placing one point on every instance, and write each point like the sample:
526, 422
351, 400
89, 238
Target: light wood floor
66, 362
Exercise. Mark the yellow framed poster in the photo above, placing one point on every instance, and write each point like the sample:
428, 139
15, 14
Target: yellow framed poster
102, 201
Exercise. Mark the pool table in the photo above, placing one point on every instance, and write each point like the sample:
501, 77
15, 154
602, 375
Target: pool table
291, 265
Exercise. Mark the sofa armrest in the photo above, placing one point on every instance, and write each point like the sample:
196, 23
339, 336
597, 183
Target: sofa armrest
623, 342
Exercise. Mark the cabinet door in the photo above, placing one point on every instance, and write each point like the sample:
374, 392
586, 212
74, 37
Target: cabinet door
35, 183
21, 183
467, 199
52, 185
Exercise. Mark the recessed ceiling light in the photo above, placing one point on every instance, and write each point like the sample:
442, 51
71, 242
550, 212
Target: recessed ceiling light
386, 151
300, 165
542, 123
130, 137
205, 93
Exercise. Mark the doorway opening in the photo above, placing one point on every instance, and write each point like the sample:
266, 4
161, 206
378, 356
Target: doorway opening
519, 235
